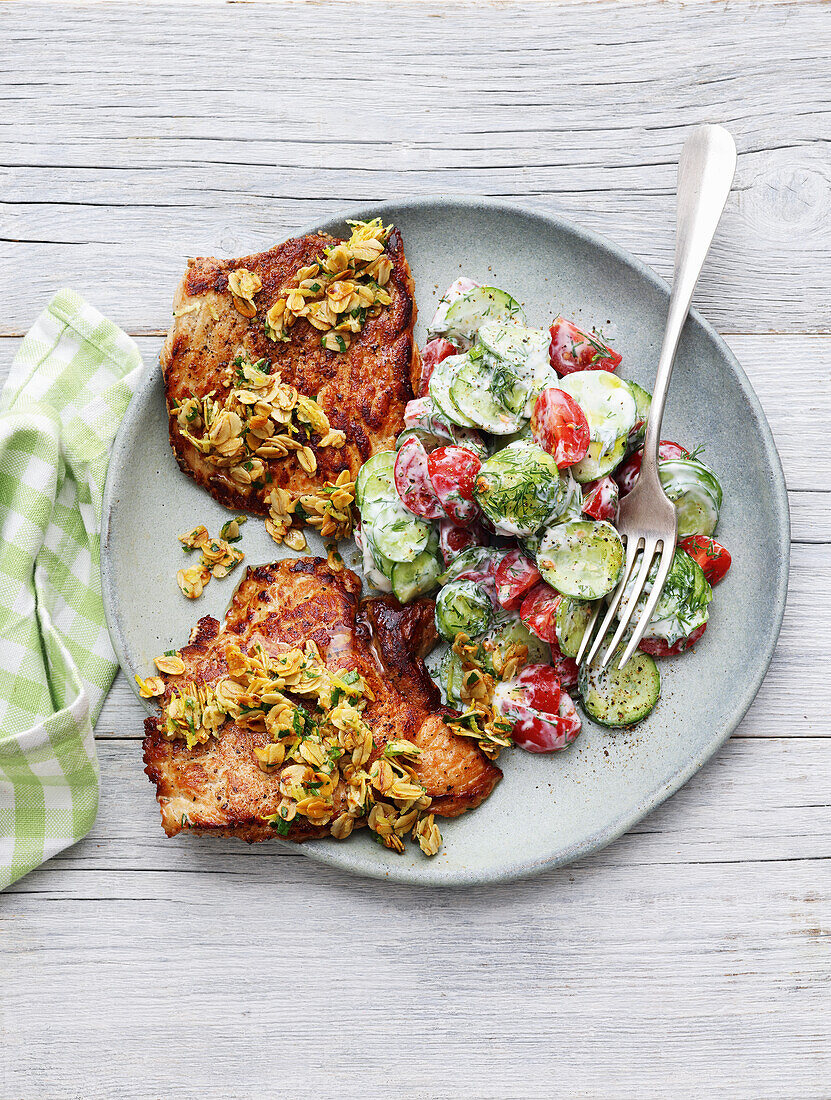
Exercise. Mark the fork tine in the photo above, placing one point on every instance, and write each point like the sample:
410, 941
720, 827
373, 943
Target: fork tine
667, 554
617, 596
628, 610
589, 631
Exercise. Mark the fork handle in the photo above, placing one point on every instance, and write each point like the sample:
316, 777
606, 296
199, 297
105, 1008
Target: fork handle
705, 174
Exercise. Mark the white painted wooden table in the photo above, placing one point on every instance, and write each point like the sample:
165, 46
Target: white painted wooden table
689, 959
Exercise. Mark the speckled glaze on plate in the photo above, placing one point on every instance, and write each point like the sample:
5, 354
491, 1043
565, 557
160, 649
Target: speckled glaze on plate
548, 810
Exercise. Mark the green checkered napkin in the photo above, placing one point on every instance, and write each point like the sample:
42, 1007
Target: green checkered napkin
59, 410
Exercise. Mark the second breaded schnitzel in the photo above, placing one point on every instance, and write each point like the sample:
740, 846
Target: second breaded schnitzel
223, 784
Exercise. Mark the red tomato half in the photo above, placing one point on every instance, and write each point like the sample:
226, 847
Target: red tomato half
412, 481
560, 427
657, 647
452, 471
536, 688
453, 540
515, 576
434, 352
710, 555
539, 726
600, 499
571, 349
538, 610
565, 668
627, 473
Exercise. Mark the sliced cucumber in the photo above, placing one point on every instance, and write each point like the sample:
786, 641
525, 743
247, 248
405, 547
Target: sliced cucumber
377, 568
581, 558
597, 464
472, 397
570, 622
520, 489
467, 314
415, 578
619, 697
684, 602
441, 380
643, 403
608, 404
375, 479
463, 607
451, 674
428, 440
480, 558
495, 644
397, 533
522, 347
696, 493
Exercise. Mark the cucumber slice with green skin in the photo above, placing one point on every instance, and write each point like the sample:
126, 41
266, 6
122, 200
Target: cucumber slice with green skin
512, 631
609, 407
471, 395
441, 380
520, 489
438, 325
466, 315
376, 479
581, 558
643, 403
462, 607
398, 534
684, 602
480, 559
428, 440
452, 674
596, 464
570, 622
696, 493
619, 697
524, 349
415, 578
377, 568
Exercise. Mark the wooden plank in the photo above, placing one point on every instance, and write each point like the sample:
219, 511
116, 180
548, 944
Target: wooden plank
136, 153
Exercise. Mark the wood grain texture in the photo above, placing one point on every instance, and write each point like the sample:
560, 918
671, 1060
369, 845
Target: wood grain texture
690, 958
161, 135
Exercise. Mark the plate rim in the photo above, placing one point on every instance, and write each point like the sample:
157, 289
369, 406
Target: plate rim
325, 853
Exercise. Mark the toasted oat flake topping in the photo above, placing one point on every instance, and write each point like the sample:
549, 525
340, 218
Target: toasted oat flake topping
319, 748
339, 291
217, 559
480, 720
261, 418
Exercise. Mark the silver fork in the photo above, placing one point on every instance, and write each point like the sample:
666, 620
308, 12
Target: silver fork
647, 520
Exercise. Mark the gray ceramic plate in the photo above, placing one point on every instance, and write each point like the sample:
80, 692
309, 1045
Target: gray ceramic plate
548, 810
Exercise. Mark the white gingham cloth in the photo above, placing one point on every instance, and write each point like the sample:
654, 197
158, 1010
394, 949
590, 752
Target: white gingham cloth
68, 389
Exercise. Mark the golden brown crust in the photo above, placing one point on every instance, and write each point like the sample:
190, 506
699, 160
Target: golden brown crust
219, 788
363, 390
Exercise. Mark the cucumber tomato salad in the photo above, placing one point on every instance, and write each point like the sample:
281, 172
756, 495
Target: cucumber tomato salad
502, 497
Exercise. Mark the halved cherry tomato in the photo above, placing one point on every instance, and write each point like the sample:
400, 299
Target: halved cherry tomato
544, 717
538, 611
536, 688
571, 349
627, 473
564, 667
417, 413
453, 540
560, 427
600, 499
434, 351
452, 471
412, 481
657, 647
710, 555
514, 577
